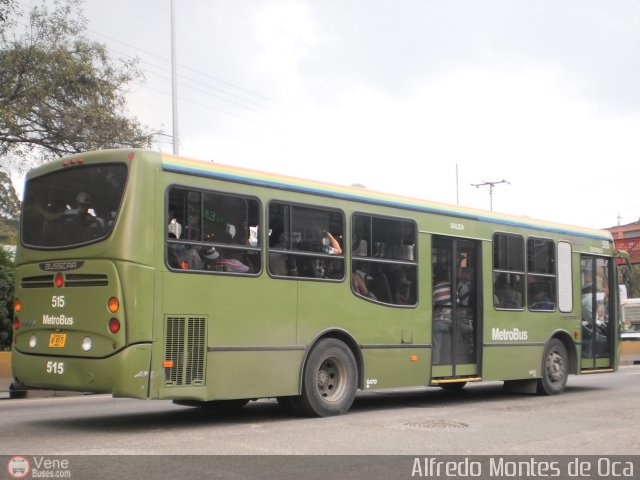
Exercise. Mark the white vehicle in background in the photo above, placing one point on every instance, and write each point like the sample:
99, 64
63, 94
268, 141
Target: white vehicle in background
630, 345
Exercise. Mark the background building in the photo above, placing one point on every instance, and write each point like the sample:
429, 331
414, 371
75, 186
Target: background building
627, 238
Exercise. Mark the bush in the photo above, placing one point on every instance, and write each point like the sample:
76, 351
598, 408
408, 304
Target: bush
6, 300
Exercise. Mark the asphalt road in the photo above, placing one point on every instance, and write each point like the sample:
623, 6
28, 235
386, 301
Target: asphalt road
597, 415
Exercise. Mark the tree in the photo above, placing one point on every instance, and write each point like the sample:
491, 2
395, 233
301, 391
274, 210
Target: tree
60, 93
9, 203
6, 300
9, 211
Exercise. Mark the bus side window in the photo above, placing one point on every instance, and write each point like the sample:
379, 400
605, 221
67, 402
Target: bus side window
383, 266
306, 241
221, 232
508, 271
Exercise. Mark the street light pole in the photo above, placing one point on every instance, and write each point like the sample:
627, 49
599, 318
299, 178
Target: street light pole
174, 82
490, 185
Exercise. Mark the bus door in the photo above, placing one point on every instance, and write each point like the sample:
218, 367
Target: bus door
597, 312
456, 307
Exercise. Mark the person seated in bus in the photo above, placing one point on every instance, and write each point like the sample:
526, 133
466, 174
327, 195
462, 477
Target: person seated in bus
174, 229
230, 265
359, 282
330, 245
401, 287
236, 261
359, 245
279, 263
540, 298
174, 258
322, 242
506, 295
48, 217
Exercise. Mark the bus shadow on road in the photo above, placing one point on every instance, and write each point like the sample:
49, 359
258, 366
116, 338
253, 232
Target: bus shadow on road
166, 415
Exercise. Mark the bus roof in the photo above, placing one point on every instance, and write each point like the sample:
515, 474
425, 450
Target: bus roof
283, 182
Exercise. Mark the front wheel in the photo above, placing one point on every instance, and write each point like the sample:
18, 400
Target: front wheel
555, 369
329, 382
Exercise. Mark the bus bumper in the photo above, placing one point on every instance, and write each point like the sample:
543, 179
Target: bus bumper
124, 374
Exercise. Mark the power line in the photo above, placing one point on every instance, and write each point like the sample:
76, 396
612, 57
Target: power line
183, 80
186, 67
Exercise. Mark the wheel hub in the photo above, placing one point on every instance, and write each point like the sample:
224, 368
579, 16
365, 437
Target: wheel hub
328, 379
555, 367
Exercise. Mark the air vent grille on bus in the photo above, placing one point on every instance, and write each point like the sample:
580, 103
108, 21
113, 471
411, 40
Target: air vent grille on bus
85, 280
40, 281
185, 351
70, 280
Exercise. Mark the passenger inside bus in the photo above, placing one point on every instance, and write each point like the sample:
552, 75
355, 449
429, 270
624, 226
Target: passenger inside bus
279, 263
506, 296
174, 228
401, 287
540, 298
359, 281
441, 316
81, 222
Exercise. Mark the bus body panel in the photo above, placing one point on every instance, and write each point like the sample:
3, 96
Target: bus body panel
125, 374
396, 366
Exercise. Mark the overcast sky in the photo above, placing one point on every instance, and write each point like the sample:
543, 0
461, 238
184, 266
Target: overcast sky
395, 95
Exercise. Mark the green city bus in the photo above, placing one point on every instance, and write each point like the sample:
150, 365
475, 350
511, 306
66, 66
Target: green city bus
145, 275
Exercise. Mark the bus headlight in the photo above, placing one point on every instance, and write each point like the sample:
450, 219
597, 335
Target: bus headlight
33, 341
87, 343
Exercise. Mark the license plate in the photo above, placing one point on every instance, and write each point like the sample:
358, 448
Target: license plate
57, 340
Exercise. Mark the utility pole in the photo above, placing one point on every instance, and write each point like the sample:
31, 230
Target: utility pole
457, 189
490, 185
174, 82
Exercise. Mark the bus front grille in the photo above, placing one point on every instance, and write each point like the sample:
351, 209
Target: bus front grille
185, 351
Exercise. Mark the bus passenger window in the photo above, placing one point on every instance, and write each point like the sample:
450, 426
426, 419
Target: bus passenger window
383, 260
541, 275
219, 233
305, 241
508, 271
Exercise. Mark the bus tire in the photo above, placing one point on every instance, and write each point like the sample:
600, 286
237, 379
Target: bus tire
329, 382
555, 368
290, 405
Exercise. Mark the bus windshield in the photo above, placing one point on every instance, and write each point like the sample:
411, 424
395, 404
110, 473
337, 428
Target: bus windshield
72, 207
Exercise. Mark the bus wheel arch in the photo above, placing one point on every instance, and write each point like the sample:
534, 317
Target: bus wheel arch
349, 341
555, 368
331, 375
572, 351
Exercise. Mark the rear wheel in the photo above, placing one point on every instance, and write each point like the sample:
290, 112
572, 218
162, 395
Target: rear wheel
290, 405
329, 382
555, 365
